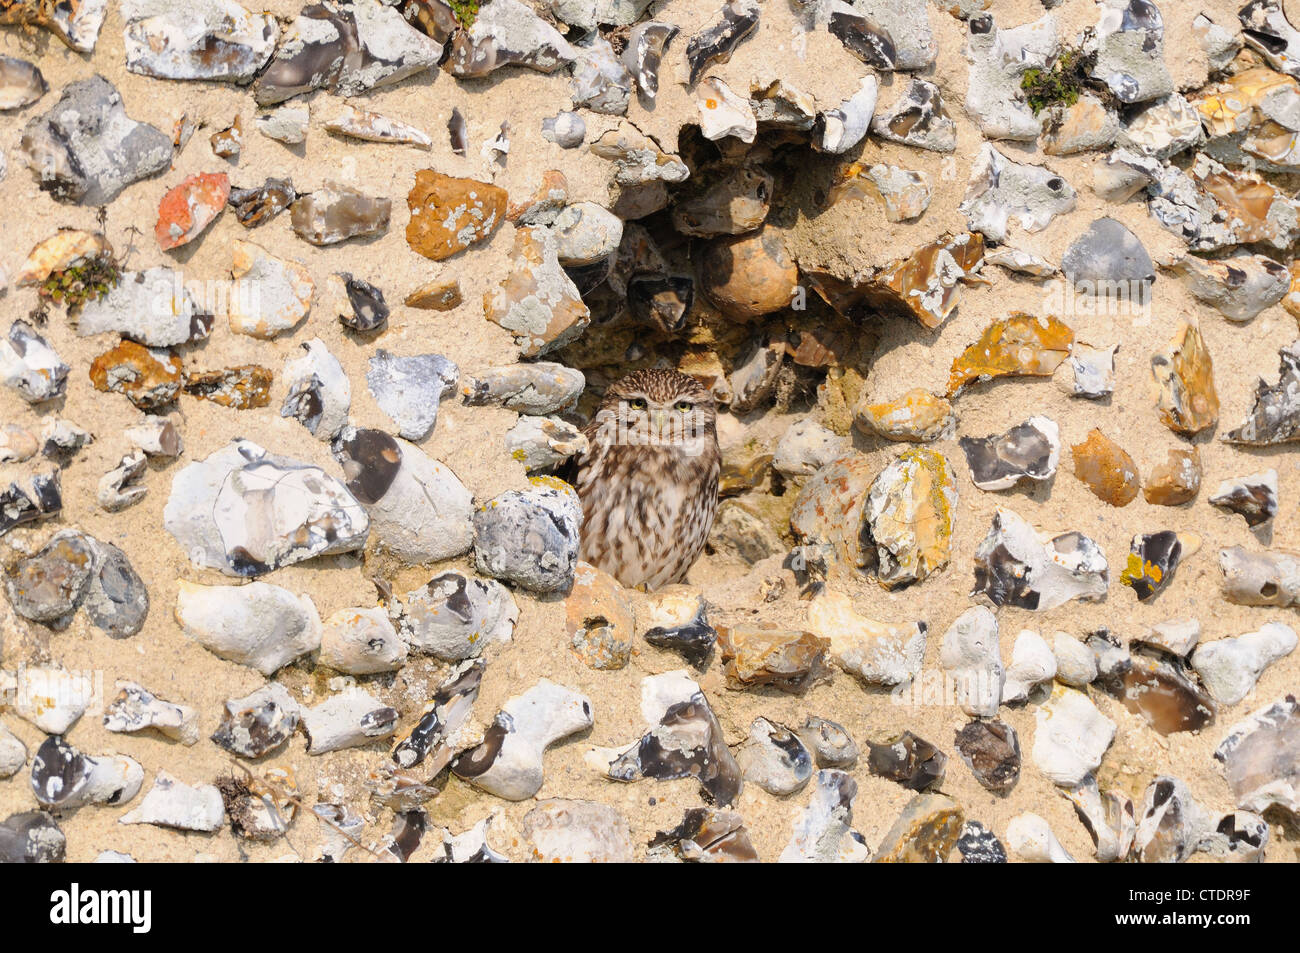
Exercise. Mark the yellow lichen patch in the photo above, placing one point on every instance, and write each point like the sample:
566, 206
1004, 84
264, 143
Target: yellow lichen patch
1017, 345
910, 510
550, 482
1139, 568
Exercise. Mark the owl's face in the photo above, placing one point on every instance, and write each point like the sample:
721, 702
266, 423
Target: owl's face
660, 408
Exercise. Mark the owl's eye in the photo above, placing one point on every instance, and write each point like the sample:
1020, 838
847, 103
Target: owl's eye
637, 403
683, 406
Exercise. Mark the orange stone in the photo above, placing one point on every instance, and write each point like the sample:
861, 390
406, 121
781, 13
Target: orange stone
599, 619
1185, 373
449, 214
748, 276
1177, 480
1291, 301
148, 378
927, 283
192, 206
551, 196
441, 294
1106, 469
67, 248
537, 301
1020, 345
788, 659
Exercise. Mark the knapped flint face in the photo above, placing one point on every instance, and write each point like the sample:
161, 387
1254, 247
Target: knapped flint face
370, 461
17, 506
259, 204
457, 132
911, 761
715, 44
1141, 15
450, 589
1266, 28
662, 302
979, 845
1162, 693
256, 731
49, 585
117, 601
1259, 757
477, 761
408, 831
795, 756
829, 741
1151, 563
1004, 579
1255, 502
693, 641
774, 758
645, 49
380, 722
1000, 461
1245, 832
313, 65
369, 310
21, 83
992, 752
305, 403
717, 834
482, 48
434, 18
865, 39
666, 752
1275, 418
47, 494
918, 112
59, 772
32, 837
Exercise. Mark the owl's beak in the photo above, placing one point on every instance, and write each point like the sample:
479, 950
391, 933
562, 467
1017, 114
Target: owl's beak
660, 420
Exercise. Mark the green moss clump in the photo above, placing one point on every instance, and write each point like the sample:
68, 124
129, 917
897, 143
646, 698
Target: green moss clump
87, 282
465, 11
1059, 85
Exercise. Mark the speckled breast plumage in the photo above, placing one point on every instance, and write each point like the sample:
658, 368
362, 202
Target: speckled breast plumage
648, 507
647, 512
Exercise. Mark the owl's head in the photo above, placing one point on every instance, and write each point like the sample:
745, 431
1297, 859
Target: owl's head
660, 407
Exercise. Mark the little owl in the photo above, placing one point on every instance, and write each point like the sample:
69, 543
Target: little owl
649, 480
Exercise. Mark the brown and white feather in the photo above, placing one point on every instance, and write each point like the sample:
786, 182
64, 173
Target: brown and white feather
649, 480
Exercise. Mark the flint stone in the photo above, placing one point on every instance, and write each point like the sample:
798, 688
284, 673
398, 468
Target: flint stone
244, 512
86, 149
